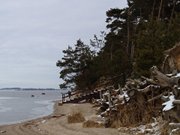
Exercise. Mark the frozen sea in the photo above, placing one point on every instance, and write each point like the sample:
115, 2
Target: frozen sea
19, 105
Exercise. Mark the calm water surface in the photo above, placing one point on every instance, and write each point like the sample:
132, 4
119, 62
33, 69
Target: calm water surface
17, 106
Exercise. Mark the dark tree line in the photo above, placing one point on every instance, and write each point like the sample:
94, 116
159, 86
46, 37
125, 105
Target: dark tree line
137, 37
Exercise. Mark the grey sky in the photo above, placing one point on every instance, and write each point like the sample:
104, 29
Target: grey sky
33, 34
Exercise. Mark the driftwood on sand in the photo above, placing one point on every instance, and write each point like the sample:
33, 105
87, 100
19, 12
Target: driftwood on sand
141, 99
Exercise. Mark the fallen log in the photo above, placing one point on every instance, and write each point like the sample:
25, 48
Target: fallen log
148, 88
174, 125
176, 102
158, 96
151, 81
162, 79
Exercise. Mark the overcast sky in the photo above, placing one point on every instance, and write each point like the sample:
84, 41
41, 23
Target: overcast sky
33, 34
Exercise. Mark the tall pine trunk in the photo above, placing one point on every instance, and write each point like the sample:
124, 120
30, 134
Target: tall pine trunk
160, 8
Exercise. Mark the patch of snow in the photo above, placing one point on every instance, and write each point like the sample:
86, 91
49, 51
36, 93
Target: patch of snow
156, 86
138, 130
142, 128
169, 104
116, 104
169, 75
120, 97
165, 97
106, 93
149, 131
126, 96
107, 103
103, 100
117, 90
154, 124
98, 100
178, 75
123, 97
108, 109
43, 121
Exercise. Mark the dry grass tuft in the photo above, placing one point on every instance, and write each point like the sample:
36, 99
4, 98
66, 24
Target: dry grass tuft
76, 118
92, 124
131, 115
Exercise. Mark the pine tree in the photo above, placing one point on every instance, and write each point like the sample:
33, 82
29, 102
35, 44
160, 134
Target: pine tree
73, 64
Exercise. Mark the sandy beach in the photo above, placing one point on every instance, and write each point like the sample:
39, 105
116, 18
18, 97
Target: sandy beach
56, 123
